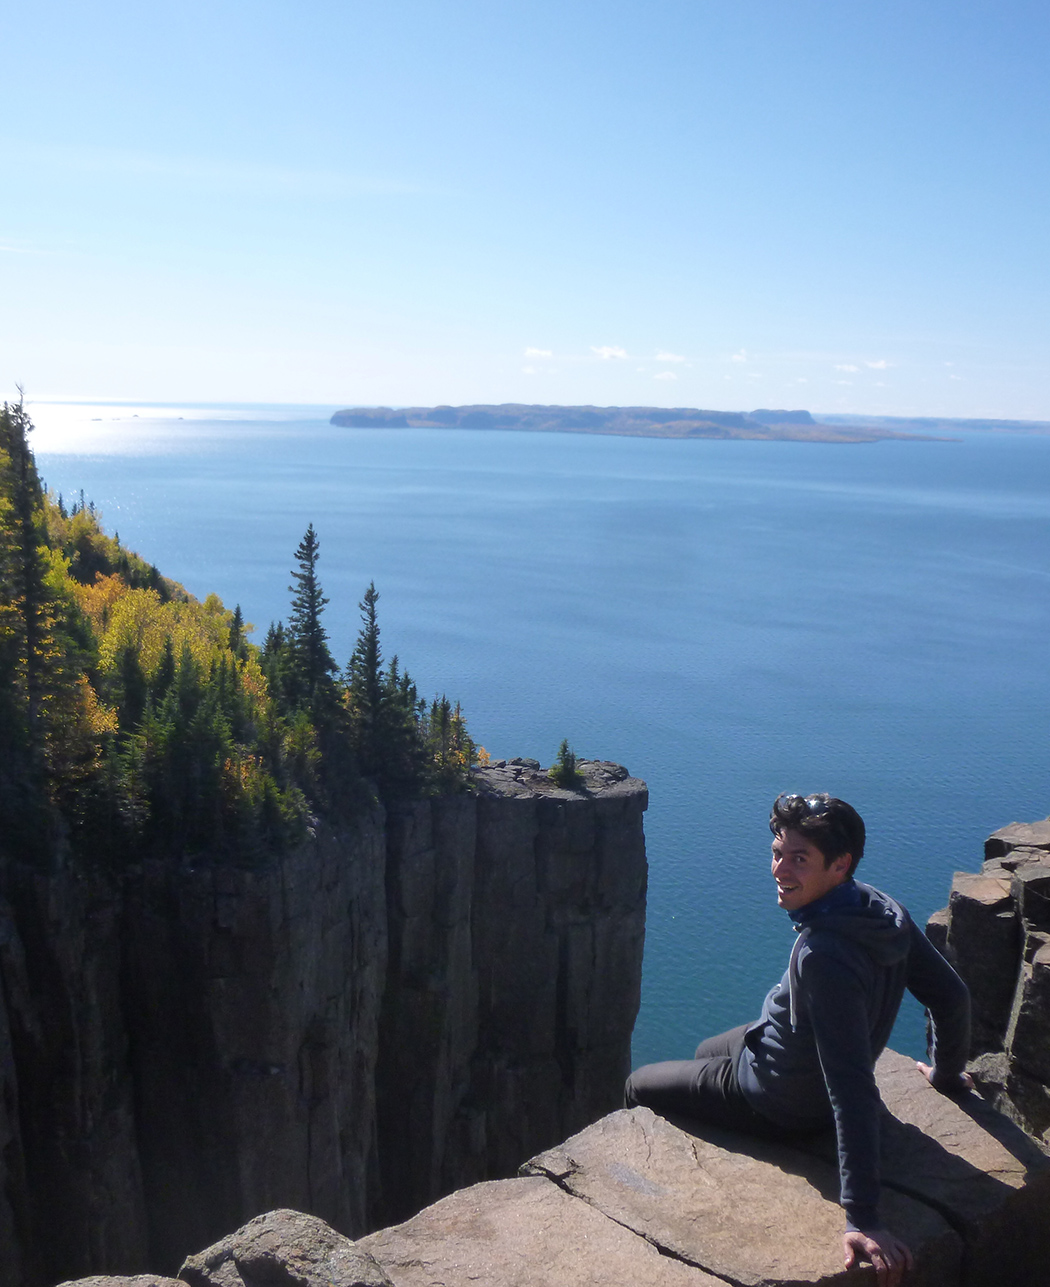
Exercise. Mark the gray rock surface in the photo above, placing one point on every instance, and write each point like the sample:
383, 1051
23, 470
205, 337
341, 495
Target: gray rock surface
962, 1158
134, 1280
981, 915
523, 1233
746, 1211
1018, 835
254, 999
516, 932
283, 1249
1002, 948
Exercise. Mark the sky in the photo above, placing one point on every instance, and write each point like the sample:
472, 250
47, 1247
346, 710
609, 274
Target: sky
839, 205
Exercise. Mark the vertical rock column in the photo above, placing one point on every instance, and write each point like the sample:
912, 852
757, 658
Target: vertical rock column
74, 1189
996, 932
252, 1000
558, 929
516, 926
429, 1026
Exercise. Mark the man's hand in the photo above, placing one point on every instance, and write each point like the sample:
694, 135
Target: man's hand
965, 1080
888, 1254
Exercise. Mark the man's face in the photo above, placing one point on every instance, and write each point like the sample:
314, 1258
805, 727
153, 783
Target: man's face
798, 868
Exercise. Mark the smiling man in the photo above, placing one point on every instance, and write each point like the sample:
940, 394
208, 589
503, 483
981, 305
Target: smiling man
809, 1060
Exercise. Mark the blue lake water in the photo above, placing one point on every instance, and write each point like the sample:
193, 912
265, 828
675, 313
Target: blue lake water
728, 619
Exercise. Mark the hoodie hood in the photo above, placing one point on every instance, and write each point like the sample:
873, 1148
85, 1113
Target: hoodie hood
852, 910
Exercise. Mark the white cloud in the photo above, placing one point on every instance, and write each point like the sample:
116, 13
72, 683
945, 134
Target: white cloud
949, 364
669, 357
955, 377
545, 353
608, 351
528, 370
665, 375
846, 366
880, 365
801, 379
739, 357
843, 382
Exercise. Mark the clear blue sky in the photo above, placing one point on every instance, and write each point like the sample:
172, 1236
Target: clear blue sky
835, 204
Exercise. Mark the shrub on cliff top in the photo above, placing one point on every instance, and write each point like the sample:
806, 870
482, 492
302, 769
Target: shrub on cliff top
564, 771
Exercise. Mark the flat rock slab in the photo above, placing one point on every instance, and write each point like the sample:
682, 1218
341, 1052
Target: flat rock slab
1018, 835
283, 1249
989, 1179
756, 1214
136, 1280
522, 1233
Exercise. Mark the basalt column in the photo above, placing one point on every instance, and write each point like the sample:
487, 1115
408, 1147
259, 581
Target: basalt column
517, 921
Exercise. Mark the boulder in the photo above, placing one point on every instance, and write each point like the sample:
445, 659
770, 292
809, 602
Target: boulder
751, 1212
283, 1249
522, 1233
965, 1160
1033, 835
984, 943
136, 1280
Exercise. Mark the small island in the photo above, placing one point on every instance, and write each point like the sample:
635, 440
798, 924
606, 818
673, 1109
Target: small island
634, 422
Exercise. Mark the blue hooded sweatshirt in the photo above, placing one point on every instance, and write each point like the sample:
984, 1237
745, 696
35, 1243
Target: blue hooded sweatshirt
810, 1059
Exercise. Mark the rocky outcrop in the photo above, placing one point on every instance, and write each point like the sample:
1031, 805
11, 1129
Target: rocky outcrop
963, 1186
635, 1198
996, 931
283, 1247
388, 1012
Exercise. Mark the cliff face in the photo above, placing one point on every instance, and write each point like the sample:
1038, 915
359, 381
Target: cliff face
516, 927
996, 932
353, 1030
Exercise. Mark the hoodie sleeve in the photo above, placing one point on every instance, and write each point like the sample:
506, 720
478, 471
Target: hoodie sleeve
834, 994
935, 985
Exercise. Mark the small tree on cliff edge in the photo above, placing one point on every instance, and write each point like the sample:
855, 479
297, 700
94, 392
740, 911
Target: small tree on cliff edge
563, 771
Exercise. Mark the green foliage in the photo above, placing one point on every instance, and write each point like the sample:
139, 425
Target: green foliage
563, 771
131, 714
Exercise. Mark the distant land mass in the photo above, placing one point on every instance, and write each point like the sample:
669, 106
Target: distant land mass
926, 425
635, 422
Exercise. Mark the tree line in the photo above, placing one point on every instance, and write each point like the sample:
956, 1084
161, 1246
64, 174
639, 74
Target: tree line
134, 718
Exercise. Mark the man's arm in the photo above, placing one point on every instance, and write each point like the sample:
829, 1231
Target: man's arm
935, 985
835, 995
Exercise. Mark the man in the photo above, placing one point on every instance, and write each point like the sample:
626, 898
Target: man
809, 1059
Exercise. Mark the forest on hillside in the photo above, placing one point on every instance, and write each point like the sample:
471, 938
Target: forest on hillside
135, 718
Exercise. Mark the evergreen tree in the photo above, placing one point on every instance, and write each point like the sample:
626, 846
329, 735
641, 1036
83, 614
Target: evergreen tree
563, 771
365, 687
312, 663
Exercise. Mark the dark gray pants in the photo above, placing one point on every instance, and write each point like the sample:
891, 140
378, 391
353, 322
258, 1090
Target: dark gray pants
704, 1088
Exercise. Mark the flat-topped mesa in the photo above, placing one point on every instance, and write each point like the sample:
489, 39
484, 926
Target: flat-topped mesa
996, 932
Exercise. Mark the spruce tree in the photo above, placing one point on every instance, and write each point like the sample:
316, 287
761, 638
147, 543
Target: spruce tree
313, 665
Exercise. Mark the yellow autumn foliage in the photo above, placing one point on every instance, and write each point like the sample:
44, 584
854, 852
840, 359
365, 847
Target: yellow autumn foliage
140, 619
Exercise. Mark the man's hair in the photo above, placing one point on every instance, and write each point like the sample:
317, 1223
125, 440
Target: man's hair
834, 826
